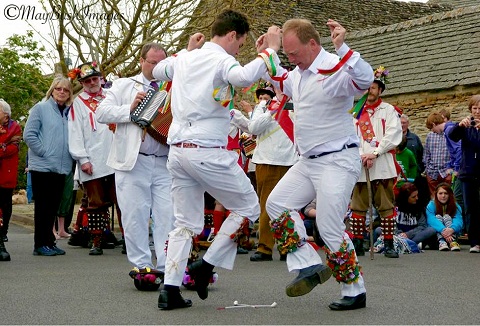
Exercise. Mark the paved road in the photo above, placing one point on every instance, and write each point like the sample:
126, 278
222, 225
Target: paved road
429, 288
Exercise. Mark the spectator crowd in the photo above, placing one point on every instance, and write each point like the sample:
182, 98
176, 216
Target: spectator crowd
275, 167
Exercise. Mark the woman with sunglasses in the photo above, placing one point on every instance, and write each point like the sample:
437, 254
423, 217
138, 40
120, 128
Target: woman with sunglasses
49, 160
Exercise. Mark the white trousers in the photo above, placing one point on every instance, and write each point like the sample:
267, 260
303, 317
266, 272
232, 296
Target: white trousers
330, 179
142, 192
194, 171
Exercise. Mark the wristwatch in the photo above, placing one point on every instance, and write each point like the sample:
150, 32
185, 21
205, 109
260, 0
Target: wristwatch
376, 154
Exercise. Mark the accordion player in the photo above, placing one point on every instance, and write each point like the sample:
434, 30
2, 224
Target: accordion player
153, 114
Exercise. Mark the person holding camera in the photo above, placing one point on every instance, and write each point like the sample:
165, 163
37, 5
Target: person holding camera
467, 130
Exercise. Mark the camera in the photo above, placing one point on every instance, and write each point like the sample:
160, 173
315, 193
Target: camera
472, 121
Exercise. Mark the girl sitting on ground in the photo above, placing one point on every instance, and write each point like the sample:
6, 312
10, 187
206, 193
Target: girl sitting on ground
445, 216
411, 220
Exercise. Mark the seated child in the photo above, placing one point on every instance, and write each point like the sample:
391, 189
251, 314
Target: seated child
411, 220
445, 216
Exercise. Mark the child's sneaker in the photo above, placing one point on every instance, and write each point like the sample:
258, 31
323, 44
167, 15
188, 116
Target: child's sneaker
454, 246
475, 249
442, 246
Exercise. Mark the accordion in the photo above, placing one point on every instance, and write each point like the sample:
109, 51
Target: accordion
151, 116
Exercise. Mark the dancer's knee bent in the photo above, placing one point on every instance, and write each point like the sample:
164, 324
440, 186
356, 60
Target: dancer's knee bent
181, 233
285, 233
274, 210
178, 252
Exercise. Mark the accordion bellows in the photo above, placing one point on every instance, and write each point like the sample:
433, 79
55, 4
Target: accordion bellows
150, 115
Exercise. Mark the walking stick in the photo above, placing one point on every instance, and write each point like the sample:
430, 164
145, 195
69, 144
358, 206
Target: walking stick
113, 217
370, 210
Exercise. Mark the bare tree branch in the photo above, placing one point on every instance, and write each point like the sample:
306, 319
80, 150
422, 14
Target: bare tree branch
113, 32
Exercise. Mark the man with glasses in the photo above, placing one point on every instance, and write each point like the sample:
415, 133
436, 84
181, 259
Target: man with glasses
141, 177
89, 144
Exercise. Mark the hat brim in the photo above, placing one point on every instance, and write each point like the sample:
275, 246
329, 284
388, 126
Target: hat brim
261, 91
95, 73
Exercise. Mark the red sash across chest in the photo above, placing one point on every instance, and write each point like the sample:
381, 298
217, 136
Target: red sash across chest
365, 124
91, 103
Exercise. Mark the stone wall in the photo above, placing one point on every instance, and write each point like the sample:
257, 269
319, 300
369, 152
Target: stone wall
419, 105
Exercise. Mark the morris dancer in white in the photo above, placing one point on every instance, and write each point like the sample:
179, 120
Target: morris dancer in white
201, 97
322, 88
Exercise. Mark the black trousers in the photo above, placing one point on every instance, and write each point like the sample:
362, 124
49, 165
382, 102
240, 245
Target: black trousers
47, 189
6, 207
471, 200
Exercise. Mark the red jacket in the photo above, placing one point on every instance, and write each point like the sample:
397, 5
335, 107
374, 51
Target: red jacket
9, 153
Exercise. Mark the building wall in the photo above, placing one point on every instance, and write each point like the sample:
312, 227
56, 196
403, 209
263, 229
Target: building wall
419, 105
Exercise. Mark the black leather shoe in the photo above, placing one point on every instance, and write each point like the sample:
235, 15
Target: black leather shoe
201, 278
241, 251
260, 256
96, 251
350, 303
390, 253
4, 255
78, 239
107, 245
307, 279
389, 249
172, 300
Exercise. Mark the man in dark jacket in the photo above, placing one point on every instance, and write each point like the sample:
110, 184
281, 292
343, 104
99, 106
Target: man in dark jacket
468, 131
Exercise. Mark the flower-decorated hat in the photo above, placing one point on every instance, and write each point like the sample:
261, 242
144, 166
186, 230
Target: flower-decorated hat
380, 77
84, 71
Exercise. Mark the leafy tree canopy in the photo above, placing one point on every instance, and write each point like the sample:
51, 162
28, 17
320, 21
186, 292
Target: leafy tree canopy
21, 81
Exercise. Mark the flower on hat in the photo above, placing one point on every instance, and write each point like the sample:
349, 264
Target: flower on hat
73, 74
381, 74
88, 69
85, 70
